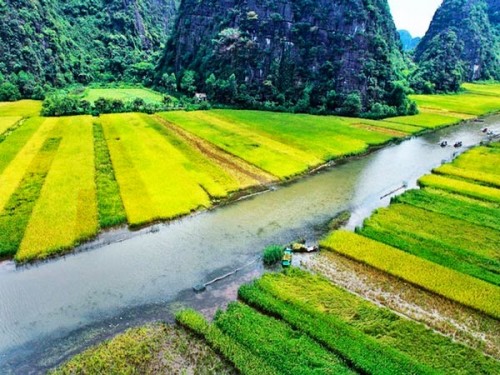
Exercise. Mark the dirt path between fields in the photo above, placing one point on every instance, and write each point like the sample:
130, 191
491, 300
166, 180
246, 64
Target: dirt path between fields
227, 161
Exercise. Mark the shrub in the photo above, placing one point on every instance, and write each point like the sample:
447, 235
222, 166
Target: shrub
272, 254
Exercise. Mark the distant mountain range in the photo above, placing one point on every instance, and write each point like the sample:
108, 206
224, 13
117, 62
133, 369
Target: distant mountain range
408, 41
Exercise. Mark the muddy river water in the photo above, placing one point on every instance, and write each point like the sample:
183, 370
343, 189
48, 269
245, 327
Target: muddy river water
50, 310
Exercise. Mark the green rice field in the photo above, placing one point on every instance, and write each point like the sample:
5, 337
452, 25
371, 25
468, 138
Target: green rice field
443, 237
82, 174
325, 329
149, 96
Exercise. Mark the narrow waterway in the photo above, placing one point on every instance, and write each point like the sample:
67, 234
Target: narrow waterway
48, 310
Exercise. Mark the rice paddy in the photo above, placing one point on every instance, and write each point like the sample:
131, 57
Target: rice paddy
444, 237
137, 169
149, 96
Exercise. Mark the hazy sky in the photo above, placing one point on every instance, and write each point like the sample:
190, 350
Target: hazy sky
414, 15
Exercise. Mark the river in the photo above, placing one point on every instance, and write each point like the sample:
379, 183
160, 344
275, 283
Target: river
52, 309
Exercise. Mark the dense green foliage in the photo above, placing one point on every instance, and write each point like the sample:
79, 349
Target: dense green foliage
320, 56
461, 45
53, 43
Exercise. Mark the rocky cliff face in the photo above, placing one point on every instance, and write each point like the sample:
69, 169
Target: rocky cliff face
461, 31
287, 51
59, 42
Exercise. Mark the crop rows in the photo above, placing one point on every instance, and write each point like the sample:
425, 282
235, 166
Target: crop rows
459, 245
433, 277
298, 323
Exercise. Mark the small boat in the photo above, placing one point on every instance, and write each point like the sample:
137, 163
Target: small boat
458, 144
484, 130
443, 143
286, 261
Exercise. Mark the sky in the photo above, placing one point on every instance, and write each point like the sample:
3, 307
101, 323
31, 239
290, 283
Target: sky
414, 15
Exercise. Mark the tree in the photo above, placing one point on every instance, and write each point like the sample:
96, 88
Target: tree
9, 92
188, 82
352, 105
169, 82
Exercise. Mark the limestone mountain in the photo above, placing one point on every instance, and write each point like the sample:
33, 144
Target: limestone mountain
340, 55
60, 42
408, 41
462, 44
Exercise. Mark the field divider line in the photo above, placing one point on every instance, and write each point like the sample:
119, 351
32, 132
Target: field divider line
221, 157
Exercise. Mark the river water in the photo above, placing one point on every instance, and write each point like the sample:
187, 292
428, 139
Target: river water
52, 309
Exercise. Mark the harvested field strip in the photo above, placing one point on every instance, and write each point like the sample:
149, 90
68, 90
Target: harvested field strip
276, 343
408, 129
327, 137
363, 353
16, 214
150, 171
18, 152
245, 173
461, 187
214, 179
152, 349
425, 120
242, 358
109, 203
394, 133
278, 159
315, 295
24, 108
8, 122
452, 206
66, 211
435, 278
483, 178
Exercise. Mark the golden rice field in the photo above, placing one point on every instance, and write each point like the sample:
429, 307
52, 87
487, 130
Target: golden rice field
62, 180
443, 238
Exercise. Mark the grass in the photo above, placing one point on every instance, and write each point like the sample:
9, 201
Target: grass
243, 359
480, 159
149, 96
452, 205
272, 254
22, 108
150, 349
453, 243
18, 209
456, 186
433, 277
313, 296
275, 342
66, 211
7, 122
487, 179
109, 203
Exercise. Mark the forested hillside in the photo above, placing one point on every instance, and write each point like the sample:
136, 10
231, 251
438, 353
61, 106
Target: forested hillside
408, 41
335, 55
52, 42
462, 44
